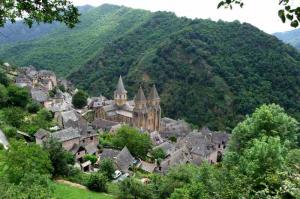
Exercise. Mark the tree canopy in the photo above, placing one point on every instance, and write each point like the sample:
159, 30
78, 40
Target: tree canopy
39, 11
79, 100
137, 143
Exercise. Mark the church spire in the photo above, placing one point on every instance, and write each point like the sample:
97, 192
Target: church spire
153, 93
120, 86
140, 95
120, 95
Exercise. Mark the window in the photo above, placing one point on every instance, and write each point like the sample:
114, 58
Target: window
91, 138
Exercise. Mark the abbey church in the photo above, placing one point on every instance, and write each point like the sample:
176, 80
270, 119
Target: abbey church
141, 112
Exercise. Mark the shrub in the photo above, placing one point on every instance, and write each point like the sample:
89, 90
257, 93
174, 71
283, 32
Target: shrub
91, 158
33, 107
107, 168
97, 182
158, 154
9, 131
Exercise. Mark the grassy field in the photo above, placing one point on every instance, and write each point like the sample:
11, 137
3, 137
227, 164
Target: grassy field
62, 191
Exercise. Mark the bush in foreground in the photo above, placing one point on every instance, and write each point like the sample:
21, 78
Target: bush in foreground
97, 182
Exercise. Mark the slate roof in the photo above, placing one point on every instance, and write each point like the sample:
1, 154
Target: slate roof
180, 156
120, 86
91, 148
41, 134
177, 128
109, 153
149, 167
103, 124
66, 134
70, 115
124, 160
167, 147
39, 95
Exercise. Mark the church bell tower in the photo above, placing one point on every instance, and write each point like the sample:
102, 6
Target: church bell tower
120, 94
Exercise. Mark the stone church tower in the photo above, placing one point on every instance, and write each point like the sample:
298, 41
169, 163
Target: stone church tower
147, 113
120, 94
154, 110
140, 110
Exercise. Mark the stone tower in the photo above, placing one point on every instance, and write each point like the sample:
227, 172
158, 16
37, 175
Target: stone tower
154, 110
120, 94
140, 111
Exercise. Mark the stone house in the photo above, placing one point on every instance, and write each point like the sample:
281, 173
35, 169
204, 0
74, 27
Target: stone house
174, 128
70, 118
78, 142
123, 159
47, 76
205, 145
178, 157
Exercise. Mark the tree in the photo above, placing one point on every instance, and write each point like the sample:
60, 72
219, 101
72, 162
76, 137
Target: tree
91, 158
60, 158
23, 158
137, 143
131, 188
14, 116
79, 100
17, 96
288, 11
107, 168
97, 182
44, 115
267, 120
39, 11
33, 107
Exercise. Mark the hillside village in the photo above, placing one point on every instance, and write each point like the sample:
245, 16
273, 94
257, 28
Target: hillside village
79, 130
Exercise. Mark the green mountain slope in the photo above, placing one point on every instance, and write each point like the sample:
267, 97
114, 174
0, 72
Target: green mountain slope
18, 32
64, 50
290, 37
210, 73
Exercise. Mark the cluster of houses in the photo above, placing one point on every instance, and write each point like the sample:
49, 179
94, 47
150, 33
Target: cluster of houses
79, 130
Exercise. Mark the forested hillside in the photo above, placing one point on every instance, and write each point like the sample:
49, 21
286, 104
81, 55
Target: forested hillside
209, 73
63, 49
17, 32
290, 37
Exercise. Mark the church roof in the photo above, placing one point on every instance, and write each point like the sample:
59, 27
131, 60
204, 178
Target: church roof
153, 93
140, 95
120, 86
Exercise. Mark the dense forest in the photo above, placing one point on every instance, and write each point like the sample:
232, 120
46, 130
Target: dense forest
208, 73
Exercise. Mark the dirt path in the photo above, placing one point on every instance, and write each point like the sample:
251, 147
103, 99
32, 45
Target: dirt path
72, 184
